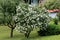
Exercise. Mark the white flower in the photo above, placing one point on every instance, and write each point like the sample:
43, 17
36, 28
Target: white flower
37, 18
41, 16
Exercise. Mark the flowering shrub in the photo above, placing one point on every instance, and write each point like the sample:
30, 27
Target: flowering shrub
29, 18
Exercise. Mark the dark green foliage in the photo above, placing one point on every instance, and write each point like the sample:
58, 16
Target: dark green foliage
58, 15
56, 21
8, 9
1, 18
17, 1
50, 30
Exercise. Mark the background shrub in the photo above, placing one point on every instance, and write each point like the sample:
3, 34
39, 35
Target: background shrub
58, 15
52, 29
56, 20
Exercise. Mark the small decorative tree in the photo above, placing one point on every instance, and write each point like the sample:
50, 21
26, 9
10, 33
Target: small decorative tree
9, 10
29, 18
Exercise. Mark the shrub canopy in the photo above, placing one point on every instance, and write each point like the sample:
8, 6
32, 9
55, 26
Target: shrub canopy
29, 18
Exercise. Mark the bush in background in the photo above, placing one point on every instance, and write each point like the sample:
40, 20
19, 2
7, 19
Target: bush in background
56, 20
51, 30
58, 16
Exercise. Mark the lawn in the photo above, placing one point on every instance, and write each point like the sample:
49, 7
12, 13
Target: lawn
5, 35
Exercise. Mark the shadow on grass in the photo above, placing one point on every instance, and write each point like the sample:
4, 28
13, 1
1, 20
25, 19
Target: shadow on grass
21, 37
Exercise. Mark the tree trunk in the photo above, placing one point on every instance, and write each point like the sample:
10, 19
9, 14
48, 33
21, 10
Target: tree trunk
27, 34
11, 35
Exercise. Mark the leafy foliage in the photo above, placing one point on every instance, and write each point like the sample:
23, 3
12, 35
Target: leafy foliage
58, 15
53, 4
8, 9
51, 30
1, 18
56, 20
29, 18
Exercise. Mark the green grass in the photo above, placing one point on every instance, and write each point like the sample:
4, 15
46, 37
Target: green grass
5, 35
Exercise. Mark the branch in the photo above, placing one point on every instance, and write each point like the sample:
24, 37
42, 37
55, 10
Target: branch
17, 22
9, 24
